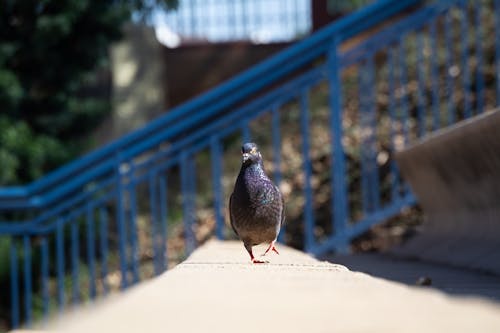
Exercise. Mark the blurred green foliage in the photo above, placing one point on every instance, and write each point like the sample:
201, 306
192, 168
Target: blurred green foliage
53, 54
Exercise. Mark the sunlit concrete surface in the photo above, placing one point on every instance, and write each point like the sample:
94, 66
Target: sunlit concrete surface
218, 290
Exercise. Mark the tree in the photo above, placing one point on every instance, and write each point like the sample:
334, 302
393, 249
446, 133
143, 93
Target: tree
52, 53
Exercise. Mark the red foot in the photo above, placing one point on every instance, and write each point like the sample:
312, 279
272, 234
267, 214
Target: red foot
257, 261
271, 247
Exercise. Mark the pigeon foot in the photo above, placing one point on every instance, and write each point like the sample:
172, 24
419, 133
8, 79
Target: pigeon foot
257, 261
271, 248
254, 260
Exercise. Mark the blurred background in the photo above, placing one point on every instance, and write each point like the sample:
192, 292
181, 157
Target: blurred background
67, 67
124, 84
76, 75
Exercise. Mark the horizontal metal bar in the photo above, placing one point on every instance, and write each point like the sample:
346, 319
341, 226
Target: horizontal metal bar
384, 213
37, 227
356, 229
75, 184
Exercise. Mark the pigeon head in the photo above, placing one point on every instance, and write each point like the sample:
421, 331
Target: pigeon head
250, 153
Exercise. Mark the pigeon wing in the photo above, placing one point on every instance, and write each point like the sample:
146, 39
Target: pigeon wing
231, 219
282, 206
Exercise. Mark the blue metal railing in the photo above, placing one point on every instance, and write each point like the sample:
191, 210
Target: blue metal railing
328, 113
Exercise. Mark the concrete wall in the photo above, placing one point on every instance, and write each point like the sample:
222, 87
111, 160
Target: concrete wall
455, 174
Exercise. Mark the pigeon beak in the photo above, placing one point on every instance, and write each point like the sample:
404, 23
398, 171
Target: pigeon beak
246, 156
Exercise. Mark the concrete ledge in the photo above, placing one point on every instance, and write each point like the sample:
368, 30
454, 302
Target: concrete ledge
455, 174
218, 290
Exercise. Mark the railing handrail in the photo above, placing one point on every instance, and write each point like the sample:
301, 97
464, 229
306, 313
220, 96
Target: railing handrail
40, 192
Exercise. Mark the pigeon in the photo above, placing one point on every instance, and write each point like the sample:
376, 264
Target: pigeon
256, 206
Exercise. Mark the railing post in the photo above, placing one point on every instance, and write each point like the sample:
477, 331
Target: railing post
338, 168
103, 244
14, 283
464, 33
395, 178
134, 237
188, 203
276, 137
28, 288
449, 78
121, 219
75, 262
164, 221
216, 157
91, 251
434, 77
479, 57
153, 206
60, 264
45, 278
309, 223
496, 10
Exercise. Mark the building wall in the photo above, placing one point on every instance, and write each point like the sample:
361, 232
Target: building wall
194, 69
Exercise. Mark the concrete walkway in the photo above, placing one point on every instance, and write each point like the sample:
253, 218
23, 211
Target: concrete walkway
451, 280
218, 290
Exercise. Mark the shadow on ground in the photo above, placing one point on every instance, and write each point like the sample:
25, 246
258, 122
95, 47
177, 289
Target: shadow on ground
451, 280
